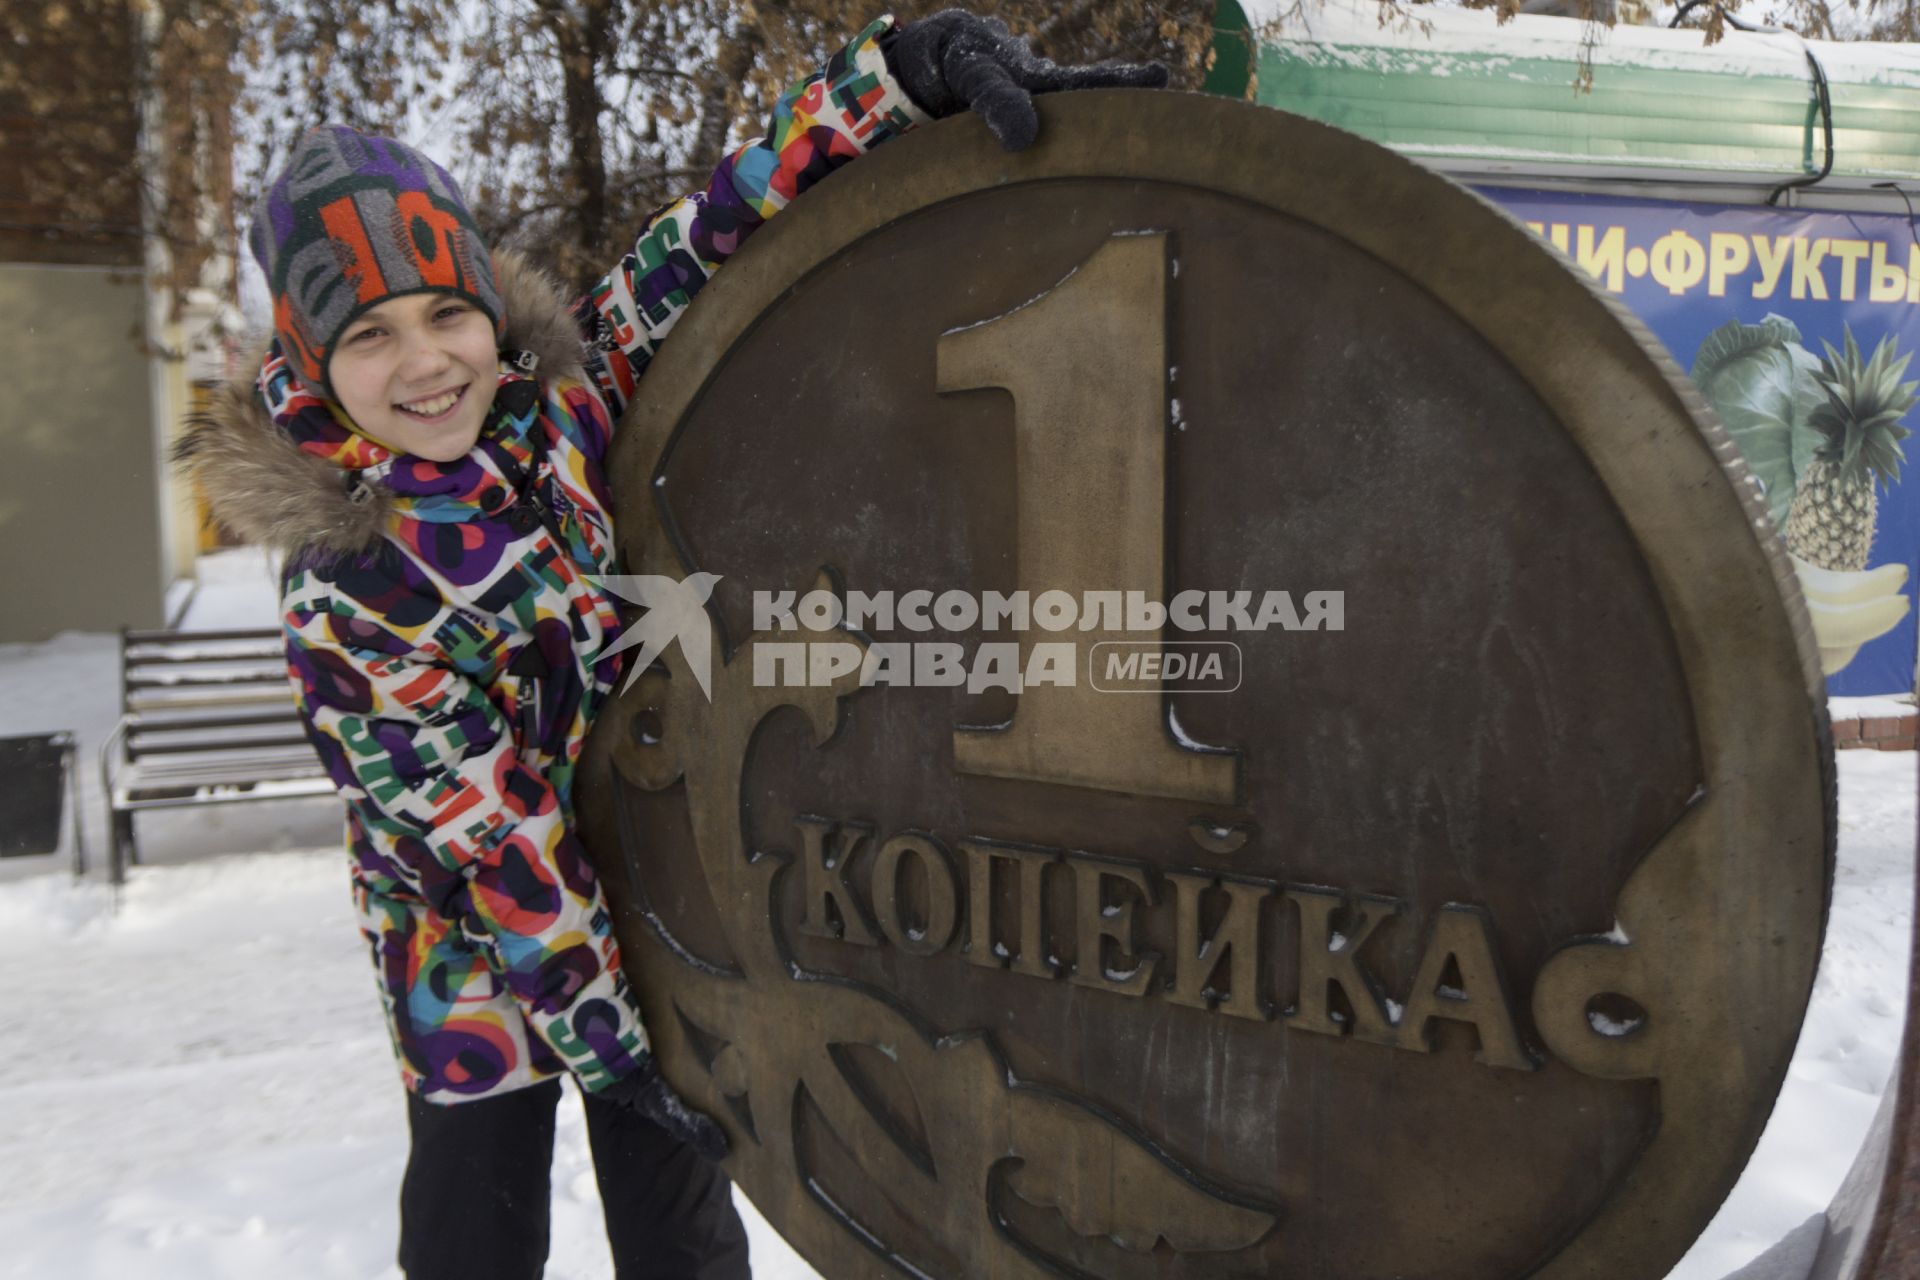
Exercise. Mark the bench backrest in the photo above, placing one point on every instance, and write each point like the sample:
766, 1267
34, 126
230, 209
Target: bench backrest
200, 690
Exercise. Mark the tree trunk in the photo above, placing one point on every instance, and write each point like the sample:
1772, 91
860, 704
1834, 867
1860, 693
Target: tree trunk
730, 67
581, 38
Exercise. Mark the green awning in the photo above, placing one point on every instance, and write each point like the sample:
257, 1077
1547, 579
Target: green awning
1503, 97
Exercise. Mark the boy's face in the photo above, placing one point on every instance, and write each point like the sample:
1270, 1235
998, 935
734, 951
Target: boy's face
418, 373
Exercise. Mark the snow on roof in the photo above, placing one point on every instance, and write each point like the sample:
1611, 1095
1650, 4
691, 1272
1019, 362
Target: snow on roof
1351, 32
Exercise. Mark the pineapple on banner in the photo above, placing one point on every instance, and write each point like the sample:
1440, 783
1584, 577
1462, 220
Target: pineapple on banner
1800, 330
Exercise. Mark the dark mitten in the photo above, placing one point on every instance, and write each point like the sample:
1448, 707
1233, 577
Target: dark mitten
957, 61
647, 1092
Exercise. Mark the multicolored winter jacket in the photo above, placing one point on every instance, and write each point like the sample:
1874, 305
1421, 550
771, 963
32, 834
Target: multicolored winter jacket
444, 623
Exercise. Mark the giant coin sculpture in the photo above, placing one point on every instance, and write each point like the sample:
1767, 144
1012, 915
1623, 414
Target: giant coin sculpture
1458, 925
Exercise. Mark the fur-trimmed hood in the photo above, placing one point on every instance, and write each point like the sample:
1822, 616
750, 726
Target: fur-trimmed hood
261, 485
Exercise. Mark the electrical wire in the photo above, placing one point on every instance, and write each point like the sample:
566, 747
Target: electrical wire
1822, 92
1824, 96
1913, 230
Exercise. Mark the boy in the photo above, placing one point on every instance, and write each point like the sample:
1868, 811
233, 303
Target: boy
425, 440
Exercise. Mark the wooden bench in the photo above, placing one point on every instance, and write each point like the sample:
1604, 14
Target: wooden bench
207, 718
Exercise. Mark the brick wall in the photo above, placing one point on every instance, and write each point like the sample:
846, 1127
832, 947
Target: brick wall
1878, 733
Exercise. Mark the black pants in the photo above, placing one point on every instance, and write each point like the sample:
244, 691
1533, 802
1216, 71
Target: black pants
474, 1203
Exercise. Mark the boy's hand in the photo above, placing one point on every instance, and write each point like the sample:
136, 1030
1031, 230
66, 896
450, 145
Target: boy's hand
957, 61
647, 1092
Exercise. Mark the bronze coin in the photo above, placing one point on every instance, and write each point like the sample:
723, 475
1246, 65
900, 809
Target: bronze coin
1465, 939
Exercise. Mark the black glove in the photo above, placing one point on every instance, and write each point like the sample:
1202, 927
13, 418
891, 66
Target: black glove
647, 1092
956, 61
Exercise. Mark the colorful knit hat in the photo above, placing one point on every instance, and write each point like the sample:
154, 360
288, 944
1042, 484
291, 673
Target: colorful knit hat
352, 221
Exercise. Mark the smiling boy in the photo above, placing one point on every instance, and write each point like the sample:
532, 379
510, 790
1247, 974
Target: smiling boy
415, 374
425, 439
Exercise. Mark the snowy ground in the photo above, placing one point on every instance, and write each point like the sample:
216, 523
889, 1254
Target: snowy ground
197, 1086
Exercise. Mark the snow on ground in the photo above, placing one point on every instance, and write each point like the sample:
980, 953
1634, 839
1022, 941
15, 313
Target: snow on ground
1852, 1033
198, 1086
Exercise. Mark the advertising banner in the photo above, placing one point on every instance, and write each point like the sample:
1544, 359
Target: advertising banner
1800, 328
